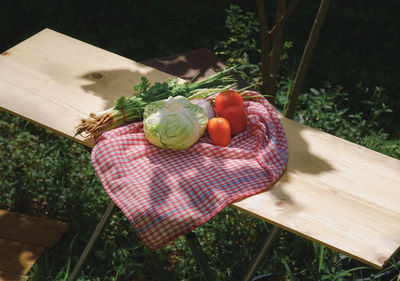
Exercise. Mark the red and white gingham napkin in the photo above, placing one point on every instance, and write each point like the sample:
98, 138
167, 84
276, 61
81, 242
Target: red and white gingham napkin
165, 193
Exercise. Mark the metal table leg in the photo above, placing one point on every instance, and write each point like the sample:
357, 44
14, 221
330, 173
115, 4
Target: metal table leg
199, 256
267, 244
93, 239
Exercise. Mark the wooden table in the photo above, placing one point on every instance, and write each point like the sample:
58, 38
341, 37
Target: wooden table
334, 192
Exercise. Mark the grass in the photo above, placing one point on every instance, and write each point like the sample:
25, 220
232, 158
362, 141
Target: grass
47, 175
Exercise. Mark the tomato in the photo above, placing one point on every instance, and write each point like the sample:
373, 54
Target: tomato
219, 130
236, 117
227, 98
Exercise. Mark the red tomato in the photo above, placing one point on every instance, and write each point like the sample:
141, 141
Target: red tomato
227, 98
219, 130
236, 117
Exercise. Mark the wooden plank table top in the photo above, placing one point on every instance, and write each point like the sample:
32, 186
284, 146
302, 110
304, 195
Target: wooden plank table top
54, 80
333, 192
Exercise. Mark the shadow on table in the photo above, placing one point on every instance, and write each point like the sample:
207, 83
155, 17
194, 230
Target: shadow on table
192, 65
196, 64
112, 84
301, 160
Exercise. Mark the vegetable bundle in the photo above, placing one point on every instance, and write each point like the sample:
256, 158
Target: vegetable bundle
130, 109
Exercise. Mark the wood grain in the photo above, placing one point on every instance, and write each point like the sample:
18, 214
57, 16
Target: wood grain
9, 276
334, 192
30, 229
17, 257
22, 239
54, 80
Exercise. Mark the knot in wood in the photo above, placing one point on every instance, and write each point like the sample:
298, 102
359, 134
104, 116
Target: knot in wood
96, 76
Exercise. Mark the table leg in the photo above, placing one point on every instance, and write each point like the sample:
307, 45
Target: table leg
160, 273
199, 256
92, 240
267, 244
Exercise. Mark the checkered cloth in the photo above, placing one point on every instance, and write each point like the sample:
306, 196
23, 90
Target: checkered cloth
165, 193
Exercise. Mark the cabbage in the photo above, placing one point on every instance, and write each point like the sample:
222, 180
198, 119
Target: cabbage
174, 123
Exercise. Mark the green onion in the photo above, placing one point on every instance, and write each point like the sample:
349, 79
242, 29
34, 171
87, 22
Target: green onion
130, 109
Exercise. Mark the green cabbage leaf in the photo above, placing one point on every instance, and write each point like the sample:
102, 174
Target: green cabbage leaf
174, 123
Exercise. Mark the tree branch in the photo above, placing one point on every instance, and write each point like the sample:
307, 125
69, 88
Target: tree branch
293, 5
301, 71
265, 47
275, 54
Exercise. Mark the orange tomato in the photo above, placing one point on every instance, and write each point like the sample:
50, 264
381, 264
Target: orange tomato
227, 98
219, 130
236, 117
